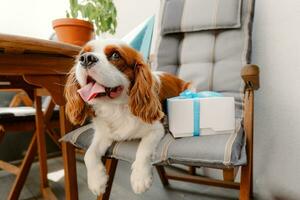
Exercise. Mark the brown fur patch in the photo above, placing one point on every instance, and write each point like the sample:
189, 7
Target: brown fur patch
129, 58
145, 94
143, 98
87, 48
76, 109
144, 101
171, 86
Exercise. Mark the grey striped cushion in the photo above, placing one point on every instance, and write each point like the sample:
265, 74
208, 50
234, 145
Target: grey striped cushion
211, 59
196, 15
217, 151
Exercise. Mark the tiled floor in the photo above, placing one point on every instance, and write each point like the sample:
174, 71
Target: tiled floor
121, 187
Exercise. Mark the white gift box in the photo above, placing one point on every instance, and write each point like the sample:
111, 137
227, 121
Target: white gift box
201, 116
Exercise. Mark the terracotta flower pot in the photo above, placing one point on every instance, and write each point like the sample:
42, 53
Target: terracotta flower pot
73, 31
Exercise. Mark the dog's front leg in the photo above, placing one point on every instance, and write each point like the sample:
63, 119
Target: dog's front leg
96, 174
141, 176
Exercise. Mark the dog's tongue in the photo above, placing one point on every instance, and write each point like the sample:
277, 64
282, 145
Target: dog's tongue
90, 91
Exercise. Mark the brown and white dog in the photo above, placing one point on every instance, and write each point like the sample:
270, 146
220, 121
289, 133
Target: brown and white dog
112, 82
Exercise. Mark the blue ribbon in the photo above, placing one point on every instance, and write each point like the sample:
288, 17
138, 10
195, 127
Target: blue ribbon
188, 94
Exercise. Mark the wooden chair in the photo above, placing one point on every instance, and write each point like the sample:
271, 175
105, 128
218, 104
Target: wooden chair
214, 53
250, 75
20, 98
22, 119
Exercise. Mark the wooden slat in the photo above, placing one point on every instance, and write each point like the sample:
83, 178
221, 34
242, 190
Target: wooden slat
42, 92
48, 194
9, 167
230, 174
16, 83
38, 45
24, 169
246, 172
16, 101
49, 111
192, 170
34, 64
80, 151
71, 187
47, 119
40, 131
184, 176
13, 50
20, 97
53, 136
53, 83
10, 90
2, 132
26, 99
111, 166
162, 175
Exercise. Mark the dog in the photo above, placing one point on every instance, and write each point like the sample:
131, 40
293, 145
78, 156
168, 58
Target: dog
111, 83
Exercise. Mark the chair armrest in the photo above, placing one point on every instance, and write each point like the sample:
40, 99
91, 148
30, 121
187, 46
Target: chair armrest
250, 75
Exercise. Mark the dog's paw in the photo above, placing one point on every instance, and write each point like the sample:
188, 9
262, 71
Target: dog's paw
141, 179
97, 182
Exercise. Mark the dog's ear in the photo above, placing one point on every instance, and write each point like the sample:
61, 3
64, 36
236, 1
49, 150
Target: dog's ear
76, 109
143, 95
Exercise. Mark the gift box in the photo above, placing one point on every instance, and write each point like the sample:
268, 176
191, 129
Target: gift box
203, 113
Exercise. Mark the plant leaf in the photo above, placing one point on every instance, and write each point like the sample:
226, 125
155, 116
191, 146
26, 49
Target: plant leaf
102, 13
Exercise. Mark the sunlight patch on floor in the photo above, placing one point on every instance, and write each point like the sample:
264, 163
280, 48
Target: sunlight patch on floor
56, 175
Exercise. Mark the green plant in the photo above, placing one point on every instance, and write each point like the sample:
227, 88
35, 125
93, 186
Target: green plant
102, 13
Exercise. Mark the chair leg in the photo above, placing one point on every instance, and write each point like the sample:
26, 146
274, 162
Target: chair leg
20, 97
24, 169
245, 186
40, 130
16, 101
1, 132
111, 166
162, 175
192, 170
230, 174
247, 171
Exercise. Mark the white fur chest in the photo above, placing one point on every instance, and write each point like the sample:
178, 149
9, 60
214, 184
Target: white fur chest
117, 122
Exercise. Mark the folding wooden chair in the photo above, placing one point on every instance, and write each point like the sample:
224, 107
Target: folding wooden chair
17, 118
209, 43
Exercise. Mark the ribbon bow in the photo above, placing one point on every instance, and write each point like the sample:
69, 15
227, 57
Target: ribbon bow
188, 94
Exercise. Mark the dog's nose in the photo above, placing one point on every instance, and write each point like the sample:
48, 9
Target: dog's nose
87, 60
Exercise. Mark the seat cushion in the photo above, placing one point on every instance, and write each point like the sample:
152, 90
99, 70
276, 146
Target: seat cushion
21, 113
16, 111
198, 15
217, 151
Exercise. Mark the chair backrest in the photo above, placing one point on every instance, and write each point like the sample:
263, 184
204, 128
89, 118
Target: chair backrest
206, 42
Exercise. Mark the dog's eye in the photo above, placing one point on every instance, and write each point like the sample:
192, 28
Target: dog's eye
115, 56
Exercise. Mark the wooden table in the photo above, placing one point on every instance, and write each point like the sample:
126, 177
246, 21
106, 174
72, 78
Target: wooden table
32, 64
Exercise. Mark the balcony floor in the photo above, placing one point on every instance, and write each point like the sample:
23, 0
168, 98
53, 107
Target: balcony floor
121, 189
